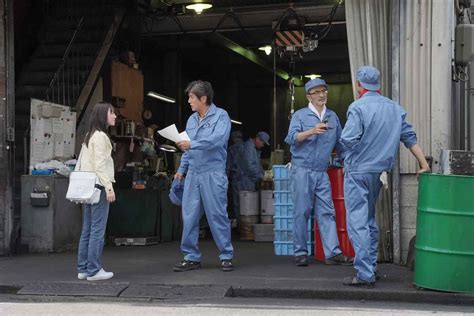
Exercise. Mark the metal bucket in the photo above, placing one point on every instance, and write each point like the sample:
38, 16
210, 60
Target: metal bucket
444, 257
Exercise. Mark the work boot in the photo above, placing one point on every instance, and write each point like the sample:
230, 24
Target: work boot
356, 282
301, 261
226, 265
339, 259
186, 265
377, 275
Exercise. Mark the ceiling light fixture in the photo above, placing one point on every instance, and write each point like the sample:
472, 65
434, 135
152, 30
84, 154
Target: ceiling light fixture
161, 97
267, 49
312, 76
236, 122
199, 7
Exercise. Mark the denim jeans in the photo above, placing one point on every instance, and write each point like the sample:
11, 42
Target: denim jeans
94, 222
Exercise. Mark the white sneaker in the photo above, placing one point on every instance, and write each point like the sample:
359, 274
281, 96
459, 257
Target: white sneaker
101, 275
82, 276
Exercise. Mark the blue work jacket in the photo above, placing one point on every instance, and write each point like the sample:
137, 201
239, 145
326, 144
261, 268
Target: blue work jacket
372, 134
249, 164
209, 137
315, 151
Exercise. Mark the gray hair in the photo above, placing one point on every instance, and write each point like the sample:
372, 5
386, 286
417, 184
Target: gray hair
200, 89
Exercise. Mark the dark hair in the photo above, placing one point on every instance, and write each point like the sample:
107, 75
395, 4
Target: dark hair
98, 120
200, 89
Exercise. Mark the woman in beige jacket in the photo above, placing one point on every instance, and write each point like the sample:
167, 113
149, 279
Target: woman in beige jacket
96, 156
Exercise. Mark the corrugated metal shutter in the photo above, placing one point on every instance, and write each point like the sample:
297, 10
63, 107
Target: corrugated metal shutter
368, 37
425, 53
415, 74
426, 35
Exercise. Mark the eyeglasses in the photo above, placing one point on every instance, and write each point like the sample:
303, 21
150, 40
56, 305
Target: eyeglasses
318, 92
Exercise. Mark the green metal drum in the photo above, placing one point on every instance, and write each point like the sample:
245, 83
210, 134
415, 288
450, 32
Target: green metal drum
445, 233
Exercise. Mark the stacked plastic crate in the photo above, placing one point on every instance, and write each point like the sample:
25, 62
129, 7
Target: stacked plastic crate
283, 216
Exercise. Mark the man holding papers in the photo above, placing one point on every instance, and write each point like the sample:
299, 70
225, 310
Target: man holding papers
205, 188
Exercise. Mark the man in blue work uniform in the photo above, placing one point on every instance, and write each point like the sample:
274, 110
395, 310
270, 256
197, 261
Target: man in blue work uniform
313, 134
233, 154
375, 126
247, 169
205, 188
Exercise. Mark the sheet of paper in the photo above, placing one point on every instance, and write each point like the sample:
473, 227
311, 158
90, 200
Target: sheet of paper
58, 145
69, 127
36, 152
171, 133
184, 136
58, 126
68, 149
48, 150
48, 126
38, 131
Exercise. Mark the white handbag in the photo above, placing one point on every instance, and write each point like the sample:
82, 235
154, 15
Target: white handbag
82, 187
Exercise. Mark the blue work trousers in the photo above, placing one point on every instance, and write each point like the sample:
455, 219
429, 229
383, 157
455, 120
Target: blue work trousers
91, 243
360, 193
312, 193
206, 191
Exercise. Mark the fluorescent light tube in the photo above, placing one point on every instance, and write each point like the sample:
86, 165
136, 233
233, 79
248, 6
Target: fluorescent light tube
160, 97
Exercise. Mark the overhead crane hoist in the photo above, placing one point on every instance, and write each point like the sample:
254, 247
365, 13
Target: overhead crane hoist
292, 38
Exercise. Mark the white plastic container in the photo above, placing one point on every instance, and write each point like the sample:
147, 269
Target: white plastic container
266, 206
248, 203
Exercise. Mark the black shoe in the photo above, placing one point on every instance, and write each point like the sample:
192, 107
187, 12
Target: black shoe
301, 261
377, 275
226, 265
186, 265
339, 259
354, 281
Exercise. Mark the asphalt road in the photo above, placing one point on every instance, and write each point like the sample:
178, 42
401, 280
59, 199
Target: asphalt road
226, 306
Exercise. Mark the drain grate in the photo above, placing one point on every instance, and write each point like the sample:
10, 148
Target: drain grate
73, 289
160, 291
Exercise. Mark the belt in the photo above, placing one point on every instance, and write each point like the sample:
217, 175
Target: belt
100, 187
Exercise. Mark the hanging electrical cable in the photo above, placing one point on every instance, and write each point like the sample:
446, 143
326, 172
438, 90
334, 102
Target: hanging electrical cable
231, 14
291, 86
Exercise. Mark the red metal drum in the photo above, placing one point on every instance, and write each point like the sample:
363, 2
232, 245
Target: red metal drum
336, 177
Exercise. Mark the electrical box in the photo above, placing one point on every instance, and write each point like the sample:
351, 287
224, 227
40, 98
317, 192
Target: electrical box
49, 222
464, 49
457, 162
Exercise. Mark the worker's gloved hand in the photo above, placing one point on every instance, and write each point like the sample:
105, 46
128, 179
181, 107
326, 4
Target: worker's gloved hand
384, 180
